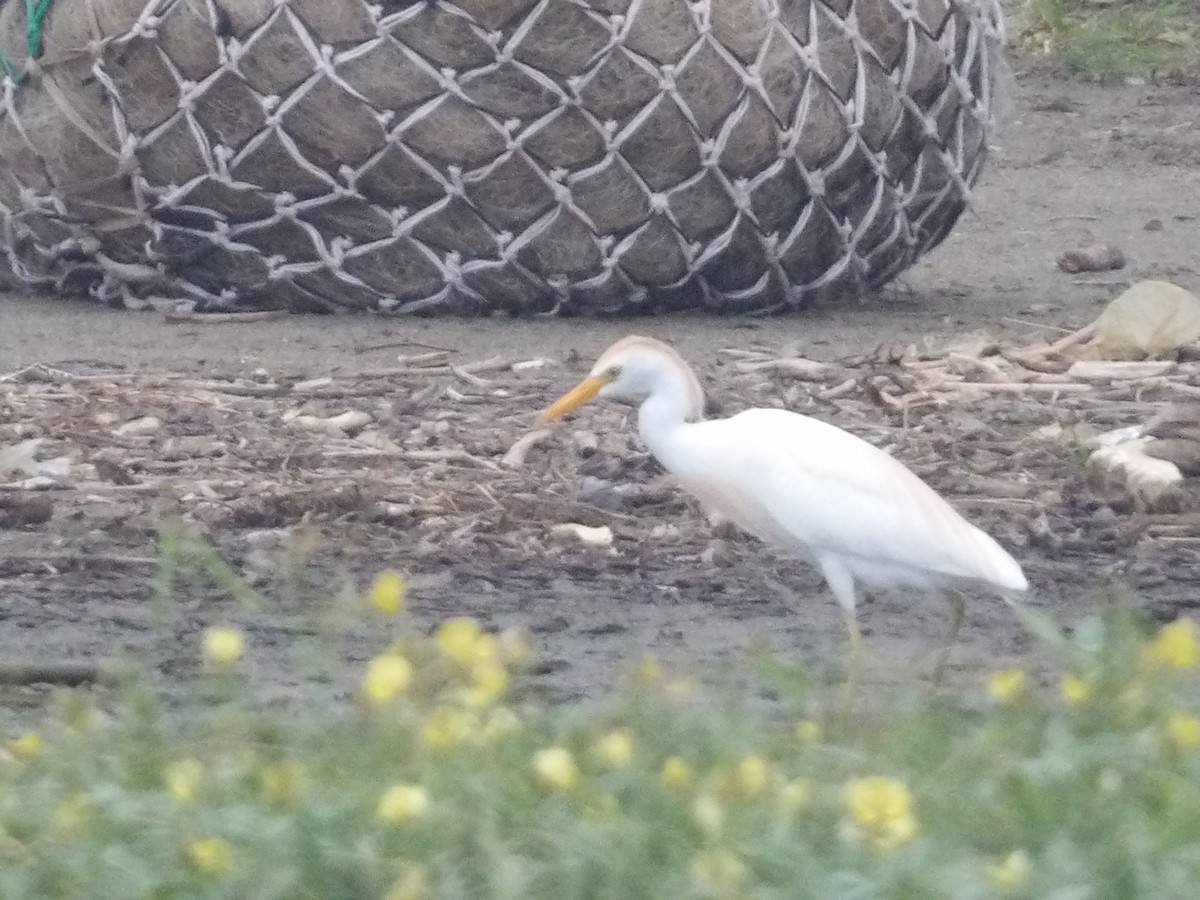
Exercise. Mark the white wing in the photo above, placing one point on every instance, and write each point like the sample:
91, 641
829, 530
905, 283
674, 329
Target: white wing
813, 488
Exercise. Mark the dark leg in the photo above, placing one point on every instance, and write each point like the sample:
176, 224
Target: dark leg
958, 610
854, 674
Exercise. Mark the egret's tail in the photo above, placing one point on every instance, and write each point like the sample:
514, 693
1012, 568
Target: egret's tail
998, 566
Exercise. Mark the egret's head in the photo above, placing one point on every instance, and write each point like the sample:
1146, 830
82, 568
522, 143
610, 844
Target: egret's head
631, 370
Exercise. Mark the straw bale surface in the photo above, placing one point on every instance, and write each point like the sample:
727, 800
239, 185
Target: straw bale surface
545, 156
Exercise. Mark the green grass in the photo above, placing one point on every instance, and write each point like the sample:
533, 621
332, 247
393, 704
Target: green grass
1108, 39
443, 779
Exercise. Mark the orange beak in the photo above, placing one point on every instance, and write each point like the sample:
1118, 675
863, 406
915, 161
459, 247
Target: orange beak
574, 398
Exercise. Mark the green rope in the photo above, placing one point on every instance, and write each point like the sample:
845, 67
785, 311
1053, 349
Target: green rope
35, 16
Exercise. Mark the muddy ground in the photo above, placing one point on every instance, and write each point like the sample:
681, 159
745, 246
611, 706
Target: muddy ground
308, 514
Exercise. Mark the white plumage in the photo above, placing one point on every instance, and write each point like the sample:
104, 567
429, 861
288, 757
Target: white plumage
862, 510
802, 485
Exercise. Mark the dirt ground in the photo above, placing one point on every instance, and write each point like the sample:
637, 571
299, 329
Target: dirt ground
307, 514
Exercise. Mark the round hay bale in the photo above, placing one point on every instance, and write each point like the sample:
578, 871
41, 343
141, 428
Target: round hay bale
479, 155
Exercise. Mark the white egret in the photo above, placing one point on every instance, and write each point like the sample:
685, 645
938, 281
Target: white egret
802, 485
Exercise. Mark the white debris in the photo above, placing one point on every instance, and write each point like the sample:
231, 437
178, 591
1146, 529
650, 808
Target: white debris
139, 427
600, 537
312, 384
1120, 436
21, 459
38, 483
1151, 319
1153, 485
527, 364
1111, 370
349, 422
515, 457
665, 532
377, 440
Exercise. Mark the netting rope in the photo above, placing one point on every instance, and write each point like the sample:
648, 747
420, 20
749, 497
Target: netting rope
35, 15
531, 155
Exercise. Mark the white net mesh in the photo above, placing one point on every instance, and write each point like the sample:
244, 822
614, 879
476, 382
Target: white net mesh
524, 155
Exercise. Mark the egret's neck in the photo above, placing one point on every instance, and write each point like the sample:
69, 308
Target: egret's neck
675, 402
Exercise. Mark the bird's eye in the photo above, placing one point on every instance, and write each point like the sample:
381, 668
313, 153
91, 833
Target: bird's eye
614, 373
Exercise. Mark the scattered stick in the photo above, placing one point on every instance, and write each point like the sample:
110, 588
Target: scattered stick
803, 369
742, 354
1037, 364
1106, 370
68, 673
234, 389
455, 455
392, 345
461, 372
80, 560
515, 457
1020, 387
225, 318
838, 390
491, 364
434, 359
18, 374
1028, 324
1073, 340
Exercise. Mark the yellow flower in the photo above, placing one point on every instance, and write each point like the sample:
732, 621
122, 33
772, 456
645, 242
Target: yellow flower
488, 682
1012, 873
555, 769
223, 647
751, 776
211, 856
718, 873
487, 649
676, 774
1075, 690
72, 812
615, 749
708, 812
387, 675
1008, 685
1184, 730
402, 804
447, 726
809, 732
282, 781
412, 885
648, 671
183, 779
500, 723
463, 640
387, 592
880, 811
1176, 646
794, 796
26, 747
